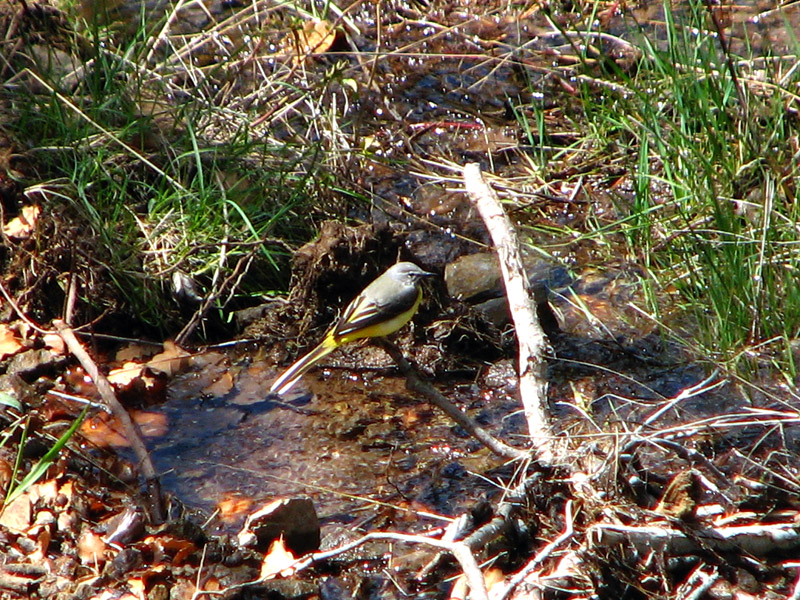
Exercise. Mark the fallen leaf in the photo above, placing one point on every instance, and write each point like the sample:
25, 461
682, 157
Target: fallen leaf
54, 343
278, 561
232, 507
17, 516
46, 491
316, 37
171, 361
9, 342
42, 538
91, 548
122, 376
174, 550
104, 430
21, 227
151, 424
221, 386
134, 351
7, 399
6, 469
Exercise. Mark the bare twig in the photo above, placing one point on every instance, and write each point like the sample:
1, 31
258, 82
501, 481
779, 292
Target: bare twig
502, 519
530, 336
757, 540
496, 527
698, 584
459, 550
242, 265
543, 554
131, 431
416, 384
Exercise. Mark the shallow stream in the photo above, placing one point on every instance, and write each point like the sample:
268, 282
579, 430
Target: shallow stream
435, 96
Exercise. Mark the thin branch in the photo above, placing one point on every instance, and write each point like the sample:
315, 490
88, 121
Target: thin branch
242, 265
757, 540
131, 431
543, 554
459, 550
530, 336
416, 384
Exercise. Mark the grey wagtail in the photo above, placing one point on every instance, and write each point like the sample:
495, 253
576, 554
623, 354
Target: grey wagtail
382, 308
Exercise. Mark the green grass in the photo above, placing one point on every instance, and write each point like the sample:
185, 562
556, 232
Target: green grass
15, 487
166, 174
714, 207
182, 162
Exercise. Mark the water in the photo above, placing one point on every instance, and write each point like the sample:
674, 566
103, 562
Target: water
448, 87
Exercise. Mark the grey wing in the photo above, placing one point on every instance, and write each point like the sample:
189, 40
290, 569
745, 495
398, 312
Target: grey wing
362, 312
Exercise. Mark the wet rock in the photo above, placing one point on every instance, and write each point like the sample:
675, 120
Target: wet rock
340, 535
17, 388
433, 249
31, 364
347, 428
293, 518
248, 316
331, 588
495, 310
285, 588
501, 374
474, 276
477, 276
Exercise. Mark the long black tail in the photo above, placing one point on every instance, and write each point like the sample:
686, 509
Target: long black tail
290, 376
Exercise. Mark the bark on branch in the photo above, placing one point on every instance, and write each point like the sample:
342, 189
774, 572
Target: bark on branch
757, 540
530, 336
131, 431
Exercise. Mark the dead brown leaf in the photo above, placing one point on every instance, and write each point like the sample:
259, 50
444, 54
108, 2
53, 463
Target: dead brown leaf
21, 227
134, 351
277, 561
104, 430
232, 507
91, 548
315, 37
171, 361
17, 516
54, 343
168, 548
9, 342
6, 469
45, 491
124, 375
221, 386
41, 536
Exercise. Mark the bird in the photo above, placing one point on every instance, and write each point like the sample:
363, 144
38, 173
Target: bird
382, 308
